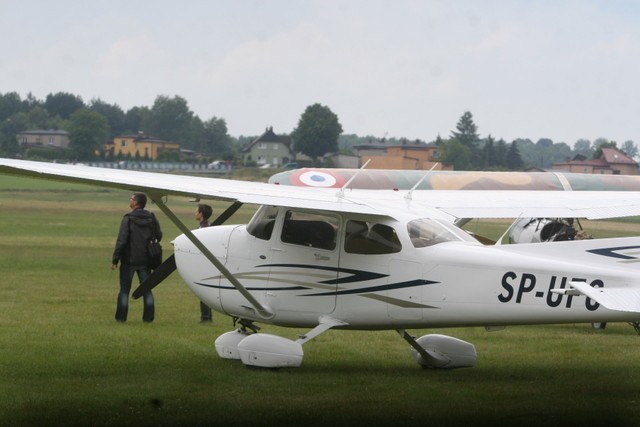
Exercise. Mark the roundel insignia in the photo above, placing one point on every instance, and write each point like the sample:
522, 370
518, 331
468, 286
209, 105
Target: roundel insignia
313, 178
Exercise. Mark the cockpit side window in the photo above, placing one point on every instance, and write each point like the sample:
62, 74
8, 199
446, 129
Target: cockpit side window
426, 232
368, 238
310, 229
261, 225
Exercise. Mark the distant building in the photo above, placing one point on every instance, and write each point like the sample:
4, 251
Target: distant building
269, 149
611, 162
140, 146
44, 138
339, 160
407, 157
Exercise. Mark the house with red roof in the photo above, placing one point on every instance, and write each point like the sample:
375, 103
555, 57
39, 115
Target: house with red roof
612, 162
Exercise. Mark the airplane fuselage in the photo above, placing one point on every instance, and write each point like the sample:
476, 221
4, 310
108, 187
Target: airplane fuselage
404, 281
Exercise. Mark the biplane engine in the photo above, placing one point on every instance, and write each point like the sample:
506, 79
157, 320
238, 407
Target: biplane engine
536, 230
445, 352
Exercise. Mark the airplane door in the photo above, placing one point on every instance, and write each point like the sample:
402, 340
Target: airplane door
249, 254
372, 247
304, 264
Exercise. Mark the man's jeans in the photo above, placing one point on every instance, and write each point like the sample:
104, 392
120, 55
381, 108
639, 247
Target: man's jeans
126, 277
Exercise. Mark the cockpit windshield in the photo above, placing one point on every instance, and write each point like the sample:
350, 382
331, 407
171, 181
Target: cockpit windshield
426, 232
261, 225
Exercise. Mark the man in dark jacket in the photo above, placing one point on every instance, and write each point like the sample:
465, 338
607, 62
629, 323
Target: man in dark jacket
137, 228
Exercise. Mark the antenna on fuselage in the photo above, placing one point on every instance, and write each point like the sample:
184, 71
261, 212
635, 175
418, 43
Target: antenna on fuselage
341, 191
408, 195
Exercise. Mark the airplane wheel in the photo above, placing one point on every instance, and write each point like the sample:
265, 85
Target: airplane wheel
599, 325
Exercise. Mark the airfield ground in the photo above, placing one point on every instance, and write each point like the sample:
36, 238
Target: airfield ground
65, 361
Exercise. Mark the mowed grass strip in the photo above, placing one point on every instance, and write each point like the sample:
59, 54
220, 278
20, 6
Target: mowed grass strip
65, 361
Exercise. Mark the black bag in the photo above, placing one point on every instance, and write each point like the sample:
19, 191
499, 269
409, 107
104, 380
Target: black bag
155, 254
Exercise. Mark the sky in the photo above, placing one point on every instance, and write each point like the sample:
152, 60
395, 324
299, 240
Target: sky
563, 70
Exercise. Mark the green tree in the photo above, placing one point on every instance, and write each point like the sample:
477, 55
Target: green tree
529, 152
113, 113
63, 104
601, 143
559, 152
135, 118
630, 149
170, 119
488, 158
5, 149
457, 154
38, 118
197, 139
216, 138
544, 143
10, 104
583, 146
317, 132
544, 148
31, 101
467, 131
88, 131
9, 129
514, 161
501, 153
467, 134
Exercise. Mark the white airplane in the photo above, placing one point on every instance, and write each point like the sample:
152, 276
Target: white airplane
323, 258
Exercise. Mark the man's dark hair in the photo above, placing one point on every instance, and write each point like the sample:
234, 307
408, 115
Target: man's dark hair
141, 199
205, 210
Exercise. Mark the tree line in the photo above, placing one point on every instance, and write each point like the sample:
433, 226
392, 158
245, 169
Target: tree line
317, 133
465, 149
91, 125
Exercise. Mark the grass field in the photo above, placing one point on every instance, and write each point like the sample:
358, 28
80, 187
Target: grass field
65, 361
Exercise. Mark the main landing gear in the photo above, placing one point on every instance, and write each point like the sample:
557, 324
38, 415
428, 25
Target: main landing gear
440, 351
602, 325
271, 351
266, 350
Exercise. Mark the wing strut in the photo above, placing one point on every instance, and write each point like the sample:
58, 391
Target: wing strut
341, 191
431, 356
227, 213
261, 308
169, 264
408, 195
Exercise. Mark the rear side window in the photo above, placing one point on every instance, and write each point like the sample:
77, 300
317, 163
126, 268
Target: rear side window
368, 238
427, 232
309, 229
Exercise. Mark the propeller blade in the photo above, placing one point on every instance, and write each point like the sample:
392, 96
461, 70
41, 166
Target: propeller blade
227, 213
157, 276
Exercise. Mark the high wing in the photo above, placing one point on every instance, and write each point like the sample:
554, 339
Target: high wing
162, 184
514, 204
395, 204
